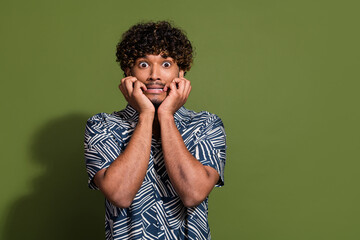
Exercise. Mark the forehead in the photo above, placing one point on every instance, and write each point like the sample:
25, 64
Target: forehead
153, 57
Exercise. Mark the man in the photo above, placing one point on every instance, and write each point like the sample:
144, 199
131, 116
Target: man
155, 161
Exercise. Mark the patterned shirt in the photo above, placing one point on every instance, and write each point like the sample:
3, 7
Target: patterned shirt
156, 211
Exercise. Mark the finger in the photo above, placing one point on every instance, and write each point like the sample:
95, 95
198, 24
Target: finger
123, 91
173, 87
187, 87
140, 84
121, 85
130, 78
139, 87
180, 82
176, 81
129, 86
181, 86
126, 78
143, 86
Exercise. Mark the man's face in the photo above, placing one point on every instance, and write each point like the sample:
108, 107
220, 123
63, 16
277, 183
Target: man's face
156, 72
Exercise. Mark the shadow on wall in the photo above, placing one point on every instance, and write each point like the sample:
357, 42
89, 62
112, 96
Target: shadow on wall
61, 205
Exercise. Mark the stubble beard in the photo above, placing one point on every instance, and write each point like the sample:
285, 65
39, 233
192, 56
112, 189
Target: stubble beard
157, 103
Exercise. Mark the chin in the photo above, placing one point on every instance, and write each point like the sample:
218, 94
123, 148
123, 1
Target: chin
156, 100
156, 103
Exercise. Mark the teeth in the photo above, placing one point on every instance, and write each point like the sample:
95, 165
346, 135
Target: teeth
157, 89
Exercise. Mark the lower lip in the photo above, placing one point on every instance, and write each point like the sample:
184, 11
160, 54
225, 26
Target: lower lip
154, 90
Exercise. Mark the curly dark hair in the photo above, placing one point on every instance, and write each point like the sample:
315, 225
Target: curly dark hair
154, 38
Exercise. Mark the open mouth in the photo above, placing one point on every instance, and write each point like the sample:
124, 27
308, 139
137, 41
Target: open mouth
155, 88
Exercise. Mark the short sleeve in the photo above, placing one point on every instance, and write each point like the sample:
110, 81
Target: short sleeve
210, 146
100, 147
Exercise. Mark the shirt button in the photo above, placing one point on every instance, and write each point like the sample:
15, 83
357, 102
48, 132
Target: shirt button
162, 228
161, 202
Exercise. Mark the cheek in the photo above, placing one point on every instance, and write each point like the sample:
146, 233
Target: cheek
171, 75
140, 75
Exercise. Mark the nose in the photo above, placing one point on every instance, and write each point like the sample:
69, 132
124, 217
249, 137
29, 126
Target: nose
154, 73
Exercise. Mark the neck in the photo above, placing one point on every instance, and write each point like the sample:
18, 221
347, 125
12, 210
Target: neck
156, 127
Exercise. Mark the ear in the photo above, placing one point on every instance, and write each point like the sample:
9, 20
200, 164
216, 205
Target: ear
181, 73
127, 72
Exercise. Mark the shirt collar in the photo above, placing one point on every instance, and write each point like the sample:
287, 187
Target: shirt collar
130, 113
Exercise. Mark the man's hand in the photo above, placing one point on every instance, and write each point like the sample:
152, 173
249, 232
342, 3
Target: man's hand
179, 92
191, 179
132, 89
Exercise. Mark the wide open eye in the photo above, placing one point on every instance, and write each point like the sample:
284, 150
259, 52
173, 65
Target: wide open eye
143, 64
166, 64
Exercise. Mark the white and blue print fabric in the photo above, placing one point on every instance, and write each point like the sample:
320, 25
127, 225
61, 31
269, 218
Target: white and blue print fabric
157, 211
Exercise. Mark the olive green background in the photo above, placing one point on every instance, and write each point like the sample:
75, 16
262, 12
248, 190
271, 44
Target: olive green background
283, 76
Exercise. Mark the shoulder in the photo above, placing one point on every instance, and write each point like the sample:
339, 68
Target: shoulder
104, 126
105, 122
100, 119
122, 116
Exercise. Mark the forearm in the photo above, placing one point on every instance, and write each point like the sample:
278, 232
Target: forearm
191, 180
122, 179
